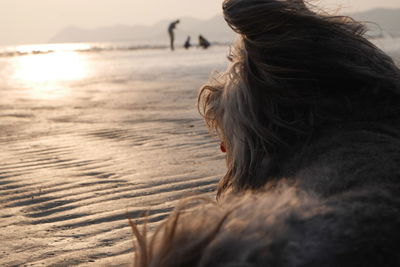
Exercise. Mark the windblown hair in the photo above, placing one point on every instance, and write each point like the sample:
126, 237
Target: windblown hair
287, 228
309, 112
293, 73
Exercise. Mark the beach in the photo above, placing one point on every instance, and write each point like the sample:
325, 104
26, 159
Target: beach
91, 137
112, 133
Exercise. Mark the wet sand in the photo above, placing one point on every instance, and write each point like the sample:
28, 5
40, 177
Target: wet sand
72, 167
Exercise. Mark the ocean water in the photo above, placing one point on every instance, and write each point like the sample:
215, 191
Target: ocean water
50, 71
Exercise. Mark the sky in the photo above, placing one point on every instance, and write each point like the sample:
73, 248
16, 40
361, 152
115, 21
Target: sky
35, 21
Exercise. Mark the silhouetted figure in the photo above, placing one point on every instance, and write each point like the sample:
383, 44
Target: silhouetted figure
171, 29
203, 42
187, 44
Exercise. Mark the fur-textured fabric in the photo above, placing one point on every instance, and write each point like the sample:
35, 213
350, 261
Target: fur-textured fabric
309, 112
283, 228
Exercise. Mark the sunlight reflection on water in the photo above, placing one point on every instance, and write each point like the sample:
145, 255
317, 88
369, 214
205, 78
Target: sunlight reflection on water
58, 71
43, 75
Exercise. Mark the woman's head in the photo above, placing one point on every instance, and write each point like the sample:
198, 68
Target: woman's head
293, 72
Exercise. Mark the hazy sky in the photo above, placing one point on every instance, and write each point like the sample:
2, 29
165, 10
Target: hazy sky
32, 21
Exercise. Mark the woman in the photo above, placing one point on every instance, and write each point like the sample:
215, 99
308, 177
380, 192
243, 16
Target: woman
308, 113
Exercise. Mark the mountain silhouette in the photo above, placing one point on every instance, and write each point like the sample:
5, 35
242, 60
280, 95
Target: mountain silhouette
214, 29
380, 21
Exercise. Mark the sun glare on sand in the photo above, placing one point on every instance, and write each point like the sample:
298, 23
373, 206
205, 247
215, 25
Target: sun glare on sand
45, 75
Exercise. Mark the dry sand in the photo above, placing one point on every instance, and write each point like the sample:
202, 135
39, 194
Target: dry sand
72, 167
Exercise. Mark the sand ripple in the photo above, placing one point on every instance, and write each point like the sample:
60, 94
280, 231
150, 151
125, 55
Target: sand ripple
72, 168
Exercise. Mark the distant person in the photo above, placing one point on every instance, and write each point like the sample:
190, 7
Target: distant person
171, 29
203, 42
187, 44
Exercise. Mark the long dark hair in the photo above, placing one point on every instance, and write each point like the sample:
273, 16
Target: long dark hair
294, 71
